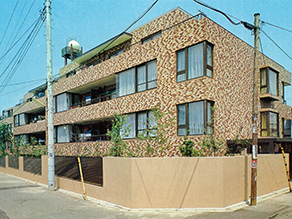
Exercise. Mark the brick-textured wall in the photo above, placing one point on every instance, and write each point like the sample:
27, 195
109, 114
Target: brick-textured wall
230, 88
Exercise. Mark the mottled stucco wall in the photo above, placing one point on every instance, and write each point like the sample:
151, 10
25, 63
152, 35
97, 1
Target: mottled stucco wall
230, 88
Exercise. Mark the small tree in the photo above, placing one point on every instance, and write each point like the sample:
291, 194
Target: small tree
209, 142
153, 139
5, 138
188, 149
118, 131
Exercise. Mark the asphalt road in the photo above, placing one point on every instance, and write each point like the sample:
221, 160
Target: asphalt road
21, 199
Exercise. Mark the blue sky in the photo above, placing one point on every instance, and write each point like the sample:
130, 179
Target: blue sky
95, 21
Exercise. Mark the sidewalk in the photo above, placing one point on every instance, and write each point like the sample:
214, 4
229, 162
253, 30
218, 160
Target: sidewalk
21, 199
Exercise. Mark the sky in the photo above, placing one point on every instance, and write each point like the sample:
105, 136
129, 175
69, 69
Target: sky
92, 22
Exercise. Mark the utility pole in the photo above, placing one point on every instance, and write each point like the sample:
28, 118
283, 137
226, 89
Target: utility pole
255, 112
50, 119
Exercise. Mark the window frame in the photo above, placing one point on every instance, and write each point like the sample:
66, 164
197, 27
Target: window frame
186, 124
147, 82
135, 69
151, 37
206, 66
136, 125
267, 128
267, 81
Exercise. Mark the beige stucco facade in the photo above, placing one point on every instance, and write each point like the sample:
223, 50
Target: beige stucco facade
205, 182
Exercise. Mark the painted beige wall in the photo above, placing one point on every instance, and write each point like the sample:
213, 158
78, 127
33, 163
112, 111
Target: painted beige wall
175, 182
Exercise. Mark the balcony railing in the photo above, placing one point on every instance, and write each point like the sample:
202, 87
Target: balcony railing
105, 97
85, 137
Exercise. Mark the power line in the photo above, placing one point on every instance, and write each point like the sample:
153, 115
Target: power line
276, 44
24, 20
39, 19
139, 18
17, 89
20, 55
25, 82
19, 39
9, 22
282, 28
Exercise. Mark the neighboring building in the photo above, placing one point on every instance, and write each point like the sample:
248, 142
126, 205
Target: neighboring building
182, 63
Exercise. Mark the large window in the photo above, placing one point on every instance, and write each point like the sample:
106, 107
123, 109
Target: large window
194, 118
63, 102
140, 78
140, 123
286, 128
20, 119
269, 81
63, 134
195, 61
269, 124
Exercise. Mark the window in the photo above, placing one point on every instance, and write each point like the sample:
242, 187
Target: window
151, 37
269, 124
137, 79
269, 81
139, 123
8, 113
147, 76
20, 119
63, 102
194, 118
286, 128
283, 93
62, 134
195, 61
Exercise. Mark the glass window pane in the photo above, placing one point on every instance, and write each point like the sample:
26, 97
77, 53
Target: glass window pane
195, 61
182, 131
209, 55
141, 87
209, 73
62, 102
142, 121
273, 82
263, 77
131, 122
152, 84
141, 74
181, 114
209, 117
264, 133
181, 77
126, 82
273, 124
181, 61
152, 71
196, 118
264, 121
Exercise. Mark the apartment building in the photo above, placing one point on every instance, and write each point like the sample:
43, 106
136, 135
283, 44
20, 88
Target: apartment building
181, 63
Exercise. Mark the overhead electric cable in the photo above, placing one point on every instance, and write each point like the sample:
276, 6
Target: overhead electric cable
24, 20
264, 22
214, 9
25, 82
245, 24
139, 18
8, 23
39, 19
17, 89
15, 26
19, 39
23, 51
276, 44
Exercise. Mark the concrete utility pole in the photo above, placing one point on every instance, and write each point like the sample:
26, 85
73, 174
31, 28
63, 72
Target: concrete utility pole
255, 113
50, 119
